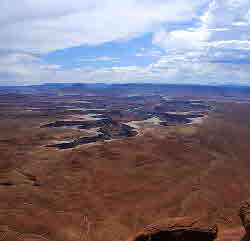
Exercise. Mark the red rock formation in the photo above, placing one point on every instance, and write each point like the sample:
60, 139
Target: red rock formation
176, 229
7, 234
245, 215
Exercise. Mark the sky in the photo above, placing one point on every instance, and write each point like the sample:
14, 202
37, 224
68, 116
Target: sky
123, 41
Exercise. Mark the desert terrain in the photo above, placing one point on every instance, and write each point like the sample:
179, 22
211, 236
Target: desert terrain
109, 160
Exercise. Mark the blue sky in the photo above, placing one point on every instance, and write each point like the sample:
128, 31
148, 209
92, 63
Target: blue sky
117, 41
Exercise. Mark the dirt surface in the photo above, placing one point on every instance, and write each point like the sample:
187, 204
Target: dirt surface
117, 187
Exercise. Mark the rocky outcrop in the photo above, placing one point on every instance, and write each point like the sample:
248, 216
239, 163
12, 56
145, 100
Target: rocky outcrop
108, 130
85, 124
177, 229
244, 214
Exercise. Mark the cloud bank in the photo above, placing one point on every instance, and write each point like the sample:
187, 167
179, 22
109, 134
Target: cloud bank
203, 41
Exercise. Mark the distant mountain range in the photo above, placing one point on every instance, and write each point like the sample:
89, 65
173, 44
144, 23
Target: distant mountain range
132, 88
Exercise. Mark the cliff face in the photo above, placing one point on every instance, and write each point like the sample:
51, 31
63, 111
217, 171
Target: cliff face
178, 229
194, 229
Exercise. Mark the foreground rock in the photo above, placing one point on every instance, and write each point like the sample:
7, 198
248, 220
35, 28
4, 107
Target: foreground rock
245, 215
177, 229
6, 234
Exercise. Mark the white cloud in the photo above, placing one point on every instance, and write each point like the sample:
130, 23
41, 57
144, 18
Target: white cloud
104, 58
45, 25
240, 23
26, 69
182, 67
223, 13
201, 41
151, 53
213, 48
224, 21
232, 44
181, 39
